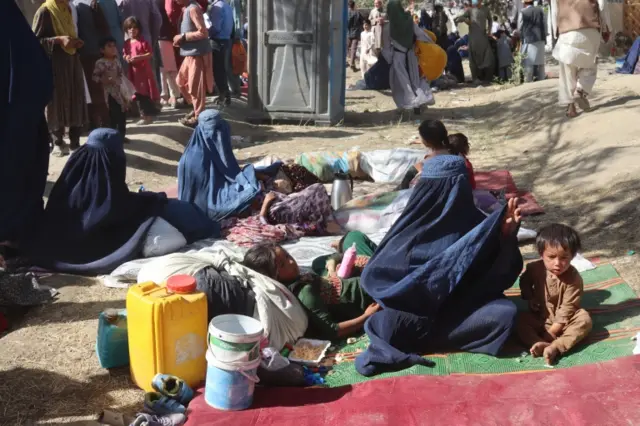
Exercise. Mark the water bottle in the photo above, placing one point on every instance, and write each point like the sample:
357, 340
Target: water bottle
348, 261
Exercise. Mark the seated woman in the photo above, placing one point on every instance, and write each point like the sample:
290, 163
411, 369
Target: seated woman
210, 177
336, 307
93, 223
434, 136
440, 273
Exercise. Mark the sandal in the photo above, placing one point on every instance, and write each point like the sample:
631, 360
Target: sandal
161, 405
571, 111
172, 387
581, 100
191, 122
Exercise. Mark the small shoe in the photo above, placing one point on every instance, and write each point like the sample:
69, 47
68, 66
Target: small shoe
173, 387
60, 150
161, 405
143, 419
582, 101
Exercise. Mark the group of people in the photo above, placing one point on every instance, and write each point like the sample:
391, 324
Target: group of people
435, 282
489, 45
105, 54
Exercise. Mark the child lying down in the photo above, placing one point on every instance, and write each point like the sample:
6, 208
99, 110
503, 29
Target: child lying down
336, 307
553, 287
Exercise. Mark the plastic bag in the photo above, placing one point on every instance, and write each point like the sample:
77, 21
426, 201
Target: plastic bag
127, 89
432, 59
238, 58
162, 238
272, 360
389, 165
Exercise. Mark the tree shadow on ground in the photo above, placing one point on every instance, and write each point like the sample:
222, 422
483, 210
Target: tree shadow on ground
33, 394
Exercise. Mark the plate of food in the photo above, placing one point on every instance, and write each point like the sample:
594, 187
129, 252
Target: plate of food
309, 351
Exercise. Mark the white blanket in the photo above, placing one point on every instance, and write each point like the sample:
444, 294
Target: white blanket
281, 314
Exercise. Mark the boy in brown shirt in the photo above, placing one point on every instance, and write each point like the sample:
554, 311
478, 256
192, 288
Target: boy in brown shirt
553, 287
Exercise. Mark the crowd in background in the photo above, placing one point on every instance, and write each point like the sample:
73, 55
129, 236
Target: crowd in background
113, 58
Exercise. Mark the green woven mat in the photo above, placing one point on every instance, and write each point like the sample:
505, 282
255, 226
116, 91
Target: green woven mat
615, 311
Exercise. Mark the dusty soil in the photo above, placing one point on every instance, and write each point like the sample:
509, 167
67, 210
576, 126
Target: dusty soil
584, 172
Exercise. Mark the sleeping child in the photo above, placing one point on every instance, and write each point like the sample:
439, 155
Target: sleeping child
553, 287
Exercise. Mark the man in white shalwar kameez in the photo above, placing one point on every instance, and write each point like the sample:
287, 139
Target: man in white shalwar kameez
578, 24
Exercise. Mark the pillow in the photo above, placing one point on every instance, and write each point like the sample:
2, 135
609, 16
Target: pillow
162, 238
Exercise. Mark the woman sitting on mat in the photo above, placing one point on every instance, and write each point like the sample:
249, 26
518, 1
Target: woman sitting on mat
336, 307
436, 139
93, 223
440, 273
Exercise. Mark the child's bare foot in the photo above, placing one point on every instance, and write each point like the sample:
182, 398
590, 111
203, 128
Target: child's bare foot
550, 354
538, 348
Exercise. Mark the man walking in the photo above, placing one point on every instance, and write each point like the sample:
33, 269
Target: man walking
578, 24
533, 33
221, 17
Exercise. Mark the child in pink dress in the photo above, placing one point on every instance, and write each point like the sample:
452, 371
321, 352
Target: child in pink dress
138, 52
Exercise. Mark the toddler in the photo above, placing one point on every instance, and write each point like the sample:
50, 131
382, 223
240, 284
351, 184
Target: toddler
459, 145
505, 55
553, 287
108, 71
137, 53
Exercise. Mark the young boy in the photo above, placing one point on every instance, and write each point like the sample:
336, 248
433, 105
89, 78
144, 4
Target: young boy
553, 288
367, 58
108, 71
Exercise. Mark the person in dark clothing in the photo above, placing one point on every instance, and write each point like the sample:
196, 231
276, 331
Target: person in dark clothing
426, 22
440, 20
354, 26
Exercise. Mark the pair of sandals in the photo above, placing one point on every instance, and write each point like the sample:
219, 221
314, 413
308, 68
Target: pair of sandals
172, 395
581, 101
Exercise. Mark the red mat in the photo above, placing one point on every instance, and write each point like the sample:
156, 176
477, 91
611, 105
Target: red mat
596, 394
497, 180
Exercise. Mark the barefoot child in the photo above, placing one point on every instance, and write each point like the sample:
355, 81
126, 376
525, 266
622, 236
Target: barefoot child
553, 288
138, 52
108, 71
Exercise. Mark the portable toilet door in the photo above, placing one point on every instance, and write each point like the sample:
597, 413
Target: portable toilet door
297, 56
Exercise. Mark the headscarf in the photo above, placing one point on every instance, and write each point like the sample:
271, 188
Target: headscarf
442, 250
62, 20
209, 174
401, 25
26, 87
93, 223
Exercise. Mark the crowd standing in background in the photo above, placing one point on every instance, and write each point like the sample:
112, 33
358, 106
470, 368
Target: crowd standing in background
169, 53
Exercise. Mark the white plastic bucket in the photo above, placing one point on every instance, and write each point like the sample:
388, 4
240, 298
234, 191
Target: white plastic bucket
230, 387
235, 339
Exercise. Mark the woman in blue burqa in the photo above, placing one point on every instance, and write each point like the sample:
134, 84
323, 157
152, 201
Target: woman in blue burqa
440, 273
93, 223
209, 174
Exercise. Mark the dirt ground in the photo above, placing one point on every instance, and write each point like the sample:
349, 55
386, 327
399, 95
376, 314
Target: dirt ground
584, 172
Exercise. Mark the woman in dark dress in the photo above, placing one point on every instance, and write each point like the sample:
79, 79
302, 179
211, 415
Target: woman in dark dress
54, 27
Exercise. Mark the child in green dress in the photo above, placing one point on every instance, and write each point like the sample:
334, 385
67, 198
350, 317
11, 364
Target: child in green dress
336, 307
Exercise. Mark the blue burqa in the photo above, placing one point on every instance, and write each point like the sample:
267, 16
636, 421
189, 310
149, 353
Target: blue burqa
209, 174
631, 59
92, 222
26, 87
439, 275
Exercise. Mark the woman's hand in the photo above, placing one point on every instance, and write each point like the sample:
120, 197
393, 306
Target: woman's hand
77, 43
270, 197
372, 309
512, 218
66, 41
177, 40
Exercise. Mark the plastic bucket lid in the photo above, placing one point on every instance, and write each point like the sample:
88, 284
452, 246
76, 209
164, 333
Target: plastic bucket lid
236, 328
212, 360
